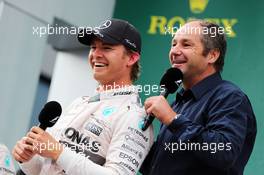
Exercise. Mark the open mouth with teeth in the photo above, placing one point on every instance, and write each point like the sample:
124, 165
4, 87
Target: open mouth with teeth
100, 65
177, 63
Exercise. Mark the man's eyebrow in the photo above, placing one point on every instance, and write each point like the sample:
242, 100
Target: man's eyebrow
187, 40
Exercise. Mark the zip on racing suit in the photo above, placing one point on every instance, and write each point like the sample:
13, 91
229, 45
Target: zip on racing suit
101, 135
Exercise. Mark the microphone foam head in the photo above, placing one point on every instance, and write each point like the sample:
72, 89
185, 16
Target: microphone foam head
50, 111
169, 79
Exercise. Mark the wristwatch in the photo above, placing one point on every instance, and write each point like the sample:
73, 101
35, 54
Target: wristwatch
173, 126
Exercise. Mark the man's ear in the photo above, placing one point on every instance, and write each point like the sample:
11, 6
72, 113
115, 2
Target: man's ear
213, 55
133, 58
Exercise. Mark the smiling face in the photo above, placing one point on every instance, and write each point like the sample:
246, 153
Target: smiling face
111, 64
186, 54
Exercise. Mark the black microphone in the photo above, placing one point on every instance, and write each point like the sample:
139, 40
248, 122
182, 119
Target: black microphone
170, 83
49, 114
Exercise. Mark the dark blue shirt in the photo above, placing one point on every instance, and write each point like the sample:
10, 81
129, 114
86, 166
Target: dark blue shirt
214, 133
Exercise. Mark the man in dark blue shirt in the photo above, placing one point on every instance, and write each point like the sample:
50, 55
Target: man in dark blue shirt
211, 127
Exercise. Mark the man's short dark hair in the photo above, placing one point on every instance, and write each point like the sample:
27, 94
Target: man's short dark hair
215, 41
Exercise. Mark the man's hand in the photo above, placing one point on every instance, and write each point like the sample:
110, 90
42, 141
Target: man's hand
158, 106
44, 144
23, 150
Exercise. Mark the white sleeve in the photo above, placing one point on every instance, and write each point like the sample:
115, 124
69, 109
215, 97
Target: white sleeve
33, 166
127, 150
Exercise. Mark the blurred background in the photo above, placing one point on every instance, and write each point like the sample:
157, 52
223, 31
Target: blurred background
38, 65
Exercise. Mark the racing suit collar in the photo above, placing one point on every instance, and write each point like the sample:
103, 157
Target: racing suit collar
114, 93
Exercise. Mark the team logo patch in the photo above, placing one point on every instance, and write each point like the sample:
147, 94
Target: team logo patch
93, 128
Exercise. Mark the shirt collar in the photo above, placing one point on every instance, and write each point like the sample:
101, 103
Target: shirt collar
198, 90
184, 95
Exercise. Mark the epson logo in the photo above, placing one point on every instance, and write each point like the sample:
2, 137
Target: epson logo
94, 128
129, 158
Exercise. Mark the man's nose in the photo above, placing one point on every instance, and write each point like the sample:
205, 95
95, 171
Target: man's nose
176, 50
97, 52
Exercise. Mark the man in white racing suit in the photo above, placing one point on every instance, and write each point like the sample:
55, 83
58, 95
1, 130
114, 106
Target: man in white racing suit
101, 134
